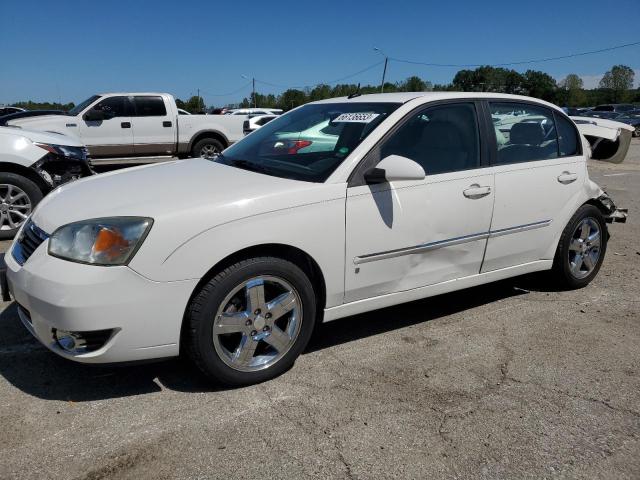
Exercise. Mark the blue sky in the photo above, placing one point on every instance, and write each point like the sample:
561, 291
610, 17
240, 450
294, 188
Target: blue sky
70, 49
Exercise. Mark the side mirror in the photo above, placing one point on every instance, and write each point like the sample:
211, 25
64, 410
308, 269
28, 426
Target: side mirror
94, 115
393, 168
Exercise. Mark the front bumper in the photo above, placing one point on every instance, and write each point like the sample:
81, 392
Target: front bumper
143, 317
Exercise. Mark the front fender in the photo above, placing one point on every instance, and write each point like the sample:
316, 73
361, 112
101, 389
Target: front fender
317, 229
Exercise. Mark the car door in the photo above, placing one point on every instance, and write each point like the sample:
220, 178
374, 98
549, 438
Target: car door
111, 137
408, 234
539, 169
154, 129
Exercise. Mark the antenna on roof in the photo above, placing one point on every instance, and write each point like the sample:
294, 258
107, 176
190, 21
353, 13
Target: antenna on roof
356, 93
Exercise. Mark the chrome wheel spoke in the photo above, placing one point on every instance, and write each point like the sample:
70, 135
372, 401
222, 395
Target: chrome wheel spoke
594, 239
244, 353
577, 263
585, 229
575, 245
588, 261
281, 305
231, 323
278, 339
255, 295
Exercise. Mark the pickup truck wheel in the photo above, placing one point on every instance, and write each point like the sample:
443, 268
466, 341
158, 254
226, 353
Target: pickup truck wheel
18, 198
207, 148
251, 321
581, 249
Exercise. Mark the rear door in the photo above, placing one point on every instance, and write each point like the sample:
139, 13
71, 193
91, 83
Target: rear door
154, 128
113, 136
538, 169
408, 234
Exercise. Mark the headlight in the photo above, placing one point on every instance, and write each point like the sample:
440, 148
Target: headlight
75, 153
100, 241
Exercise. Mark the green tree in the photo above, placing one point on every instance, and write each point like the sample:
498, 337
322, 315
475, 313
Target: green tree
572, 89
618, 81
539, 85
292, 98
194, 105
413, 84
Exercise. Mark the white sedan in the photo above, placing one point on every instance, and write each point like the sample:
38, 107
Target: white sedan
234, 260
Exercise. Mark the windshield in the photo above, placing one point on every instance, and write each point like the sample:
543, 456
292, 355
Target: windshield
308, 143
81, 106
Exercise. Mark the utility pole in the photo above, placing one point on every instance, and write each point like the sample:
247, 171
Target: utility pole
384, 71
253, 88
199, 102
253, 82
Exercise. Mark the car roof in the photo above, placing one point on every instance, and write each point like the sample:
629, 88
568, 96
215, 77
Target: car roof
405, 97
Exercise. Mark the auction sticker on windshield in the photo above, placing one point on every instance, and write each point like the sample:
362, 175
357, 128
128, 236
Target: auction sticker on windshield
363, 117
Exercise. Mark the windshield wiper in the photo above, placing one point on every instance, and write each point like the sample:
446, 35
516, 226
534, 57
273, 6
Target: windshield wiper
247, 165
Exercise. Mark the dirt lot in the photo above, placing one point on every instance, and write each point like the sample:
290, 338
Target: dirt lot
511, 380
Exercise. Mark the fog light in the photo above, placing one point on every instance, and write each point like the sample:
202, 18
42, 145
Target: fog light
69, 341
81, 342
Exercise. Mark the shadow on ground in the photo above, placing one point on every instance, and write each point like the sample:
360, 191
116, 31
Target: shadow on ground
34, 370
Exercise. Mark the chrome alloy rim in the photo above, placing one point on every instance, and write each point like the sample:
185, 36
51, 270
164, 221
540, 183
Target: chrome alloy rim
209, 151
257, 323
584, 249
15, 206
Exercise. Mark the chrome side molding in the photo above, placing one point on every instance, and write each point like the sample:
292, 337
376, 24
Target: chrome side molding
425, 247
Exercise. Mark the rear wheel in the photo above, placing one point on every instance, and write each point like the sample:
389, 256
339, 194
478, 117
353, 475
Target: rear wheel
18, 198
251, 321
207, 148
582, 248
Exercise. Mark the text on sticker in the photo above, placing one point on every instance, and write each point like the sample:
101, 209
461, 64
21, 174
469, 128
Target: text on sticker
361, 117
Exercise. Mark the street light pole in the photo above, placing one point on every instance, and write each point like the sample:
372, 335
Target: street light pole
384, 71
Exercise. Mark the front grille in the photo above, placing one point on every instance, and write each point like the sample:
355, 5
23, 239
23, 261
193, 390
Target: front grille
30, 238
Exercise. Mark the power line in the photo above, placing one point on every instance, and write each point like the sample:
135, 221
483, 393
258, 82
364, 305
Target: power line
227, 94
366, 69
521, 62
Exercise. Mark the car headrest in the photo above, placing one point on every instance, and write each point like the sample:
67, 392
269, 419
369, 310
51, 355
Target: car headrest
526, 134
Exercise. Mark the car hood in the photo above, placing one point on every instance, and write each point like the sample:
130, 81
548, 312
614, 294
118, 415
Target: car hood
184, 197
41, 137
56, 123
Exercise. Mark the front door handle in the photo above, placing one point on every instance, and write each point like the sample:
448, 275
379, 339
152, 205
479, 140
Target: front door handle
567, 177
476, 191
125, 124
166, 124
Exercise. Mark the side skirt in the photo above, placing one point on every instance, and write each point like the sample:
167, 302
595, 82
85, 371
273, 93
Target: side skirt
390, 299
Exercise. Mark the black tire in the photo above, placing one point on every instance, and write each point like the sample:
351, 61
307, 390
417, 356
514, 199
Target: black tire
212, 143
200, 316
561, 264
28, 187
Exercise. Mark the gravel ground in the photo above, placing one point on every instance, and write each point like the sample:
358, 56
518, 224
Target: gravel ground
510, 380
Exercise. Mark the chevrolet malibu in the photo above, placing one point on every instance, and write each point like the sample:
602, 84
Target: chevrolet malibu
234, 260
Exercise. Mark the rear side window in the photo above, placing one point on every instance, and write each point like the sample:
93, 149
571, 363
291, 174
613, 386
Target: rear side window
568, 138
524, 132
441, 139
149, 107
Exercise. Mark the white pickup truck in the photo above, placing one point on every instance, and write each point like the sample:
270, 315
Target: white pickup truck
139, 128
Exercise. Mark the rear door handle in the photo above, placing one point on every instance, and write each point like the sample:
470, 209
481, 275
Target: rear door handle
166, 124
125, 124
567, 177
476, 191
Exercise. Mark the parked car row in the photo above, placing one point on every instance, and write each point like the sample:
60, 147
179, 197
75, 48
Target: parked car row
338, 207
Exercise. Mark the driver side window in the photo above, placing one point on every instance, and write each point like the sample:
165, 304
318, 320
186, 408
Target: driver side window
113, 107
441, 139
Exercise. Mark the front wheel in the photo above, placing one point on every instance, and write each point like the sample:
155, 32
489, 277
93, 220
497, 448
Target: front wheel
18, 198
582, 247
251, 321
